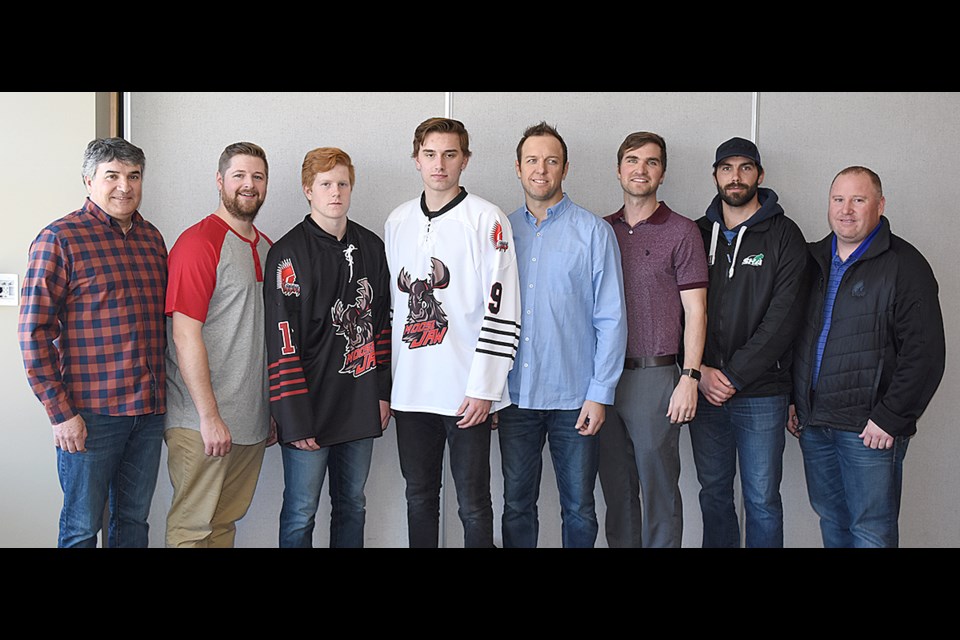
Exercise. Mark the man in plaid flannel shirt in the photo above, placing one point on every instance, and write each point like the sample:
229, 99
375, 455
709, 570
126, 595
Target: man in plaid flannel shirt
92, 333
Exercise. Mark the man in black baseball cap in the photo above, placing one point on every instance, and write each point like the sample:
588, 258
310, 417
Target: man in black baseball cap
757, 258
738, 147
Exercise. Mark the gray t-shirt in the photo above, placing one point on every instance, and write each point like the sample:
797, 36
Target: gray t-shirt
216, 277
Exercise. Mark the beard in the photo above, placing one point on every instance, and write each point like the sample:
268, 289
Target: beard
245, 210
738, 200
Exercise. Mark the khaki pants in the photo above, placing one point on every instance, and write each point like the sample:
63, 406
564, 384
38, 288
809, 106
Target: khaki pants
209, 493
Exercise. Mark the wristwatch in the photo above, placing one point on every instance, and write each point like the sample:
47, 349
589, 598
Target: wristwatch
693, 373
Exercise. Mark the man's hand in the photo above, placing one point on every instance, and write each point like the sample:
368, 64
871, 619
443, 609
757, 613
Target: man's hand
875, 437
217, 440
683, 401
71, 436
474, 411
793, 422
307, 444
591, 418
384, 414
715, 386
272, 434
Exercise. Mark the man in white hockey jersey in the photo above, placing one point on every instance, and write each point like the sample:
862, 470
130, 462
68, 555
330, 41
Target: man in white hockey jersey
456, 310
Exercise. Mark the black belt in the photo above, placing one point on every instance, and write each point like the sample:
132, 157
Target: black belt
643, 363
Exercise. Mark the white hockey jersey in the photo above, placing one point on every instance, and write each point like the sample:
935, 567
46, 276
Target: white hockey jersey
456, 304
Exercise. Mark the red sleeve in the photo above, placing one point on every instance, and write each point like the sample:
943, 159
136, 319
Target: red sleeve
193, 265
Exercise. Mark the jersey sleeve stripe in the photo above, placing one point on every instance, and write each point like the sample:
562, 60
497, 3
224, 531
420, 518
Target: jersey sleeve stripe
495, 353
295, 392
501, 321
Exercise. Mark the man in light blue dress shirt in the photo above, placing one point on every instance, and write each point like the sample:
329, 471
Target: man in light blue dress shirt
572, 345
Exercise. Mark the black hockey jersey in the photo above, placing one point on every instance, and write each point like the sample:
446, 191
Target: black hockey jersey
327, 314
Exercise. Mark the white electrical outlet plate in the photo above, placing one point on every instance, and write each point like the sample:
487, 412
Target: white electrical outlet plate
9, 291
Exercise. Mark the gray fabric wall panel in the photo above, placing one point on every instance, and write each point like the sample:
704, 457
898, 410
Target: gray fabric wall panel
804, 139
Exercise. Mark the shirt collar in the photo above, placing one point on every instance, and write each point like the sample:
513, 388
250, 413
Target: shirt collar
552, 212
860, 250
94, 210
447, 207
659, 216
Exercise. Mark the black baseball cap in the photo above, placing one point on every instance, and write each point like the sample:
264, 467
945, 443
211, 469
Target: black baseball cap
738, 147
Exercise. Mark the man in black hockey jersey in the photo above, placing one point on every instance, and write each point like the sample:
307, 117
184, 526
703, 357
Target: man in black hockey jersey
327, 313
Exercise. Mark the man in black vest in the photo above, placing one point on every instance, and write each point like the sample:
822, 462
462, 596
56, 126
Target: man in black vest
866, 364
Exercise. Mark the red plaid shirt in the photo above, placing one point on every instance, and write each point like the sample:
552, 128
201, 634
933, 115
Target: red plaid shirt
92, 328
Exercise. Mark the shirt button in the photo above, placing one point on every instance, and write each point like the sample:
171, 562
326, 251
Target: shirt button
527, 339
529, 311
538, 234
630, 232
525, 365
530, 285
533, 260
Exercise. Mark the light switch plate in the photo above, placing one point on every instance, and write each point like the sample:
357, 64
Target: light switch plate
9, 291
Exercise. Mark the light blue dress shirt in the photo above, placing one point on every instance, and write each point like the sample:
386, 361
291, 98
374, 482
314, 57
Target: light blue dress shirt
573, 334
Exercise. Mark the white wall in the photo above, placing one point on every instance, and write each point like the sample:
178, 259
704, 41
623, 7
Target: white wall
44, 136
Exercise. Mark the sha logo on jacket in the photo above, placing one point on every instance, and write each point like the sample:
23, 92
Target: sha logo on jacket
753, 261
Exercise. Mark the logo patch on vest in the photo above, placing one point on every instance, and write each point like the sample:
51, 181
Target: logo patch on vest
753, 261
859, 290
287, 278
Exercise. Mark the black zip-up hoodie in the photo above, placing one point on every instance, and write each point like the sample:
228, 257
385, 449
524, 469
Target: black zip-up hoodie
753, 300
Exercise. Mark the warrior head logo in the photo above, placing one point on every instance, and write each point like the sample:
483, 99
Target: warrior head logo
287, 278
426, 321
496, 237
355, 323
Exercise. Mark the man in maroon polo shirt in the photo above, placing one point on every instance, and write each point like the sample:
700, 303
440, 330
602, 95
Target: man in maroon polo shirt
664, 281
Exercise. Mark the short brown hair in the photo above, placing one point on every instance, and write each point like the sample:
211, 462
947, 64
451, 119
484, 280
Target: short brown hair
441, 125
639, 138
541, 129
242, 149
874, 178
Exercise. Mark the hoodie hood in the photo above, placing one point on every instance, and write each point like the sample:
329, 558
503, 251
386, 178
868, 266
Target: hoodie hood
769, 207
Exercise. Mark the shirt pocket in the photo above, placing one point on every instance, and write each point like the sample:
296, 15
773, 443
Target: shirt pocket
567, 269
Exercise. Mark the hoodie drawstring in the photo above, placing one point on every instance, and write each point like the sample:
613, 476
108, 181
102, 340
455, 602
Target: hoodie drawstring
713, 243
713, 247
736, 250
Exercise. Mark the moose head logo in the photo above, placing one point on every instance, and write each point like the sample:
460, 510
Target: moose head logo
355, 323
426, 322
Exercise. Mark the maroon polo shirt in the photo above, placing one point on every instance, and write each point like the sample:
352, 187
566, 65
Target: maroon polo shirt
661, 256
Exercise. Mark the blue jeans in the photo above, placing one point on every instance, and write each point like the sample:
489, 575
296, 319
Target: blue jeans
303, 473
119, 466
753, 431
854, 489
576, 458
420, 442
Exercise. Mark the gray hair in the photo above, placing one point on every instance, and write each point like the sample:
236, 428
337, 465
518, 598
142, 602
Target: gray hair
103, 150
